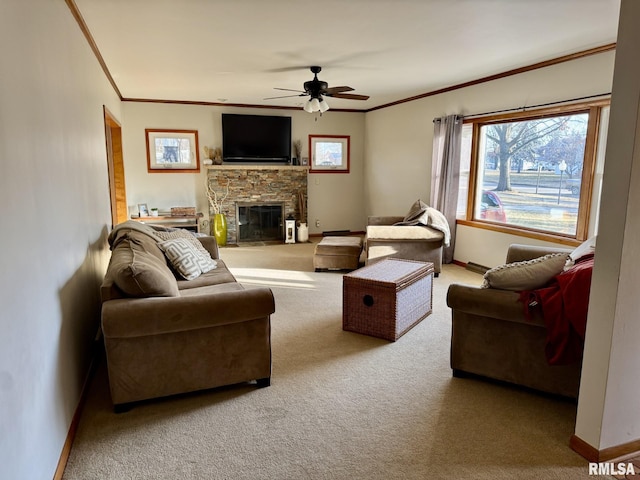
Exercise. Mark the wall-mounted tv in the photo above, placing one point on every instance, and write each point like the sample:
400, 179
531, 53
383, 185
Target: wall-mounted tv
256, 138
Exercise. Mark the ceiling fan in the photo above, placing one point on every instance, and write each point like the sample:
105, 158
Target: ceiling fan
316, 90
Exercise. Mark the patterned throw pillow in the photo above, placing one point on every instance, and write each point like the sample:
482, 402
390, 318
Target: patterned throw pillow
181, 233
185, 258
527, 275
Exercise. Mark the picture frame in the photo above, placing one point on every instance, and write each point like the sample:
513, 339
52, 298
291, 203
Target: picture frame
143, 210
329, 153
172, 151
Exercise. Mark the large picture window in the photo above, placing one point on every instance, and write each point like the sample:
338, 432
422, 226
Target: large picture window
531, 171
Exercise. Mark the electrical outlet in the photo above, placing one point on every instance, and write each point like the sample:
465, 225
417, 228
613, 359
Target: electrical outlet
317, 223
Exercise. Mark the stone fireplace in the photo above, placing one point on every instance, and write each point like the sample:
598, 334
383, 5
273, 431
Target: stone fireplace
259, 197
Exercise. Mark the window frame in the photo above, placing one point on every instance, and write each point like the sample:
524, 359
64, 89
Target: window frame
594, 109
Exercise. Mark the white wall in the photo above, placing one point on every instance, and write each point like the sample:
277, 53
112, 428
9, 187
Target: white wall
609, 390
336, 200
399, 140
55, 212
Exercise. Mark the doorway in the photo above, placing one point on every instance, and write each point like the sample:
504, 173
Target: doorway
115, 166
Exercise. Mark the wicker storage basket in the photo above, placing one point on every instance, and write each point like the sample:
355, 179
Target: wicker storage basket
388, 298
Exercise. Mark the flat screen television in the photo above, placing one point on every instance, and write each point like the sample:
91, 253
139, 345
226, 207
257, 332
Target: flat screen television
256, 138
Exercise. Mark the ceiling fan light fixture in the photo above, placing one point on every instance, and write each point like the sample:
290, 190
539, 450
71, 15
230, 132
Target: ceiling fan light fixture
324, 106
315, 104
307, 106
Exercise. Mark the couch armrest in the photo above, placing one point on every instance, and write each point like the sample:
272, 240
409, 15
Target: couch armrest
520, 253
383, 220
134, 317
209, 242
488, 302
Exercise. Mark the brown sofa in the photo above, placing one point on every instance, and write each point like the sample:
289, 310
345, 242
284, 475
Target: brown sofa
164, 335
492, 338
386, 240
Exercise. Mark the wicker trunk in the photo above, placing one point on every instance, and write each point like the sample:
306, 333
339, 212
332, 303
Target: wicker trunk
388, 298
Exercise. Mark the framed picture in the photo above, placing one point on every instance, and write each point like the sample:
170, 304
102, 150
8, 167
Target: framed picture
305, 161
143, 211
173, 151
329, 153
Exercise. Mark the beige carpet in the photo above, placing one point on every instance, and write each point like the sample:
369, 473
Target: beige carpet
341, 405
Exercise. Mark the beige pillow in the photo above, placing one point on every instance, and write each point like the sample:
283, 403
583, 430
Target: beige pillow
527, 275
186, 259
181, 233
416, 211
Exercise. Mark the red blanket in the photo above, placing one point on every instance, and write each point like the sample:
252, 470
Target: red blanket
564, 304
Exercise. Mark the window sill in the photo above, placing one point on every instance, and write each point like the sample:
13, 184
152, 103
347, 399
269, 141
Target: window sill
538, 235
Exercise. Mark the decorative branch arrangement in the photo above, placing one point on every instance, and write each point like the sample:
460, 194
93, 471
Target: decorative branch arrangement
301, 207
297, 149
214, 200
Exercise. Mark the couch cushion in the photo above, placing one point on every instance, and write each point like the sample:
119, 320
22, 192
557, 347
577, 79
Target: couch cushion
186, 259
143, 241
527, 275
217, 276
407, 232
138, 273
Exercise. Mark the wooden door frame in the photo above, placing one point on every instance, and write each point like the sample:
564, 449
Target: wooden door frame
115, 167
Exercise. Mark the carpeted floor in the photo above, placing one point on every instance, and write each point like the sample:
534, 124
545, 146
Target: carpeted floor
341, 405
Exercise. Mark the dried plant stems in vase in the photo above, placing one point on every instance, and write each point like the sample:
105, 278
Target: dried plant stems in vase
297, 151
303, 230
216, 201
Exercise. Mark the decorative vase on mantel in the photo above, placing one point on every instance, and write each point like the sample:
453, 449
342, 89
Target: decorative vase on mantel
220, 229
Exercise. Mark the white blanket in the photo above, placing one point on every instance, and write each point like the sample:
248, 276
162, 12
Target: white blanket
433, 218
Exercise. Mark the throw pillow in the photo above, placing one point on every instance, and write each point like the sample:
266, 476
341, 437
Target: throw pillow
140, 274
181, 233
527, 275
416, 211
186, 259
586, 248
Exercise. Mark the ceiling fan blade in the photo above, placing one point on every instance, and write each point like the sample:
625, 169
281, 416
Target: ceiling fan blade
349, 96
288, 90
332, 90
285, 96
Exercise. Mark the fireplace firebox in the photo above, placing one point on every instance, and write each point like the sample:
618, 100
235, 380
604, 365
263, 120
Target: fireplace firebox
260, 222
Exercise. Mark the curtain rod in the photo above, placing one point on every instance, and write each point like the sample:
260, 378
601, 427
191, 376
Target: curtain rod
525, 108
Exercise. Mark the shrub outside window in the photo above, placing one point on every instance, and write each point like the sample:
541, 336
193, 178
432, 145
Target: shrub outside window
531, 172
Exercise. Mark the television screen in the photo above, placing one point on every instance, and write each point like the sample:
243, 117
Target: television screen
256, 138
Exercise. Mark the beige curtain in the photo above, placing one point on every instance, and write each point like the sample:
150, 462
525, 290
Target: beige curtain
445, 173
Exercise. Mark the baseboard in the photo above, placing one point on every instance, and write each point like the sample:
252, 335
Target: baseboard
618, 452
471, 266
73, 428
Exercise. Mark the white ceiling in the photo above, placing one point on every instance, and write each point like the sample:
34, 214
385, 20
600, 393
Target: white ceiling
237, 51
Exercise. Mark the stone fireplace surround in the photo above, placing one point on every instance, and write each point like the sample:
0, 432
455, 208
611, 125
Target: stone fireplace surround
259, 184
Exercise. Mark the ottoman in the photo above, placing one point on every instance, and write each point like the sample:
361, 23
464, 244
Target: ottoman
339, 253
388, 298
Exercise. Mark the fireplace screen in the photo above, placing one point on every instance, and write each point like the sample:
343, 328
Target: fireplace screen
260, 222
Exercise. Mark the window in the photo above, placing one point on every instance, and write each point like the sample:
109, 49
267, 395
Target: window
531, 173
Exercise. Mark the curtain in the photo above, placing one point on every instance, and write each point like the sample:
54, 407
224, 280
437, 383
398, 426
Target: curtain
445, 173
